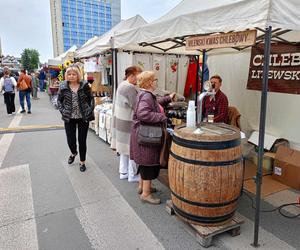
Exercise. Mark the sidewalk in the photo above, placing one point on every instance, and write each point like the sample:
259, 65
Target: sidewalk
47, 204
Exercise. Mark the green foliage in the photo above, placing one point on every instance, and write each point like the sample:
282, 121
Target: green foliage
30, 59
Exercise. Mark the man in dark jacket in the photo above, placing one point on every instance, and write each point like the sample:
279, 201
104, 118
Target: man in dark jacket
42, 78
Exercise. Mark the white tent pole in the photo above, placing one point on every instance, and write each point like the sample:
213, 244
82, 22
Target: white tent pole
263, 110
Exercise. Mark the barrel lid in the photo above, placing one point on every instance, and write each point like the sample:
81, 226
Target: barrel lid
211, 132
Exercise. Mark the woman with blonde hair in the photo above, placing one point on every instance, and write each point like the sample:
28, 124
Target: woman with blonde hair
148, 111
76, 104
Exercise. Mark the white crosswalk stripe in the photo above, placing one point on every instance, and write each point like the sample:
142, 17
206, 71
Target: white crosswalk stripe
7, 139
17, 223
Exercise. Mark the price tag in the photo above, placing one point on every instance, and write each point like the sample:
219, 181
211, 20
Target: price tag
278, 171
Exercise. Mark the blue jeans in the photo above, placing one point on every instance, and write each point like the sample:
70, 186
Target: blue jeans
22, 94
42, 85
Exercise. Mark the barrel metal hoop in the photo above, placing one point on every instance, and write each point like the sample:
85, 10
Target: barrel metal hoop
200, 219
199, 204
206, 145
206, 163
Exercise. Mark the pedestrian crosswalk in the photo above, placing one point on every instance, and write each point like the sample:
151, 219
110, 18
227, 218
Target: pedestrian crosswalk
17, 220
6, 140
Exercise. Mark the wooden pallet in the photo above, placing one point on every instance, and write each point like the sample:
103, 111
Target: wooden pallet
204, 235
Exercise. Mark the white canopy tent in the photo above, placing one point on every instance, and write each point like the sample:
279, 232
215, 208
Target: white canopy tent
103, 42
275, 20
89, 42
68, 55
196, 17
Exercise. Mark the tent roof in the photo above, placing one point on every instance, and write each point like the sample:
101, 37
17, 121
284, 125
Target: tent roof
196, 17
59, 59
104, 42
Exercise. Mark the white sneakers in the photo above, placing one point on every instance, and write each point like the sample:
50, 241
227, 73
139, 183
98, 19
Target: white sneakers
134, 178
128, 167
123, 176
131, 178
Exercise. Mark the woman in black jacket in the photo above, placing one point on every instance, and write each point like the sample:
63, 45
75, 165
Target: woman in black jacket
76, 104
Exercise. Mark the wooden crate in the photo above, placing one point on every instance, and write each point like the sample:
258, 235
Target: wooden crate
205, 235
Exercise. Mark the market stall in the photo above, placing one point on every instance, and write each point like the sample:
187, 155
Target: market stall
275, 22
172, 70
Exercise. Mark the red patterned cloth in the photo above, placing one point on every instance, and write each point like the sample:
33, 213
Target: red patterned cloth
218, 106
191, 80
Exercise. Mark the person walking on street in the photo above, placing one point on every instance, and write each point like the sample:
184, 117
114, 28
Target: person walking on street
148, 111
24, 86
35, 84
42, 78
8, 85
124, 106
76, 105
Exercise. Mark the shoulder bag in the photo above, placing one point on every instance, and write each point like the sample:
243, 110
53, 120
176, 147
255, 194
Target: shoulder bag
149, 135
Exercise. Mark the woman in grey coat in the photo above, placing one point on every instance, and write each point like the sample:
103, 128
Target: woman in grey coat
148, 111
123, 113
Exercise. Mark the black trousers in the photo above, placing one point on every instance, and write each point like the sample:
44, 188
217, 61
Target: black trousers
71, 128
9, 99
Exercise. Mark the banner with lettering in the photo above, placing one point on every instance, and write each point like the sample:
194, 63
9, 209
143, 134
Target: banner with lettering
226, 40
284, 73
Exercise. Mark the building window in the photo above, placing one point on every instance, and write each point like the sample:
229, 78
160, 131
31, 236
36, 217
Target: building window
66, 33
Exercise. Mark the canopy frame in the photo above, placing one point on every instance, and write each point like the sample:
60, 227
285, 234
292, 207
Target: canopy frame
180, 41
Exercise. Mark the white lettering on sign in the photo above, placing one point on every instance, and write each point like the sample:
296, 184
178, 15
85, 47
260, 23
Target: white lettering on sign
295, 59
277, 75
283, 60
257, 60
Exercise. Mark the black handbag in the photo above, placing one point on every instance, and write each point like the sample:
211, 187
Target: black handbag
149, 135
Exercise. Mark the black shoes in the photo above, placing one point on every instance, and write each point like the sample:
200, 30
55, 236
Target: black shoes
82, 167
29, 112
71, 158
23, 111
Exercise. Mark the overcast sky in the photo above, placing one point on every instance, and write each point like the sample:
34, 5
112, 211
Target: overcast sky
27, 23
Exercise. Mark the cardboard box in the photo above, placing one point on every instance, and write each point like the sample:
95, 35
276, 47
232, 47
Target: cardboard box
287, 167
267, 162
269, 186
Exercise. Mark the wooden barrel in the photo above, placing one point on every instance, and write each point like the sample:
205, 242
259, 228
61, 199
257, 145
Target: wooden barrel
206, 173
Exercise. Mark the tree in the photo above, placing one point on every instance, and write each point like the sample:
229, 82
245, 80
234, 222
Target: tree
30, 59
